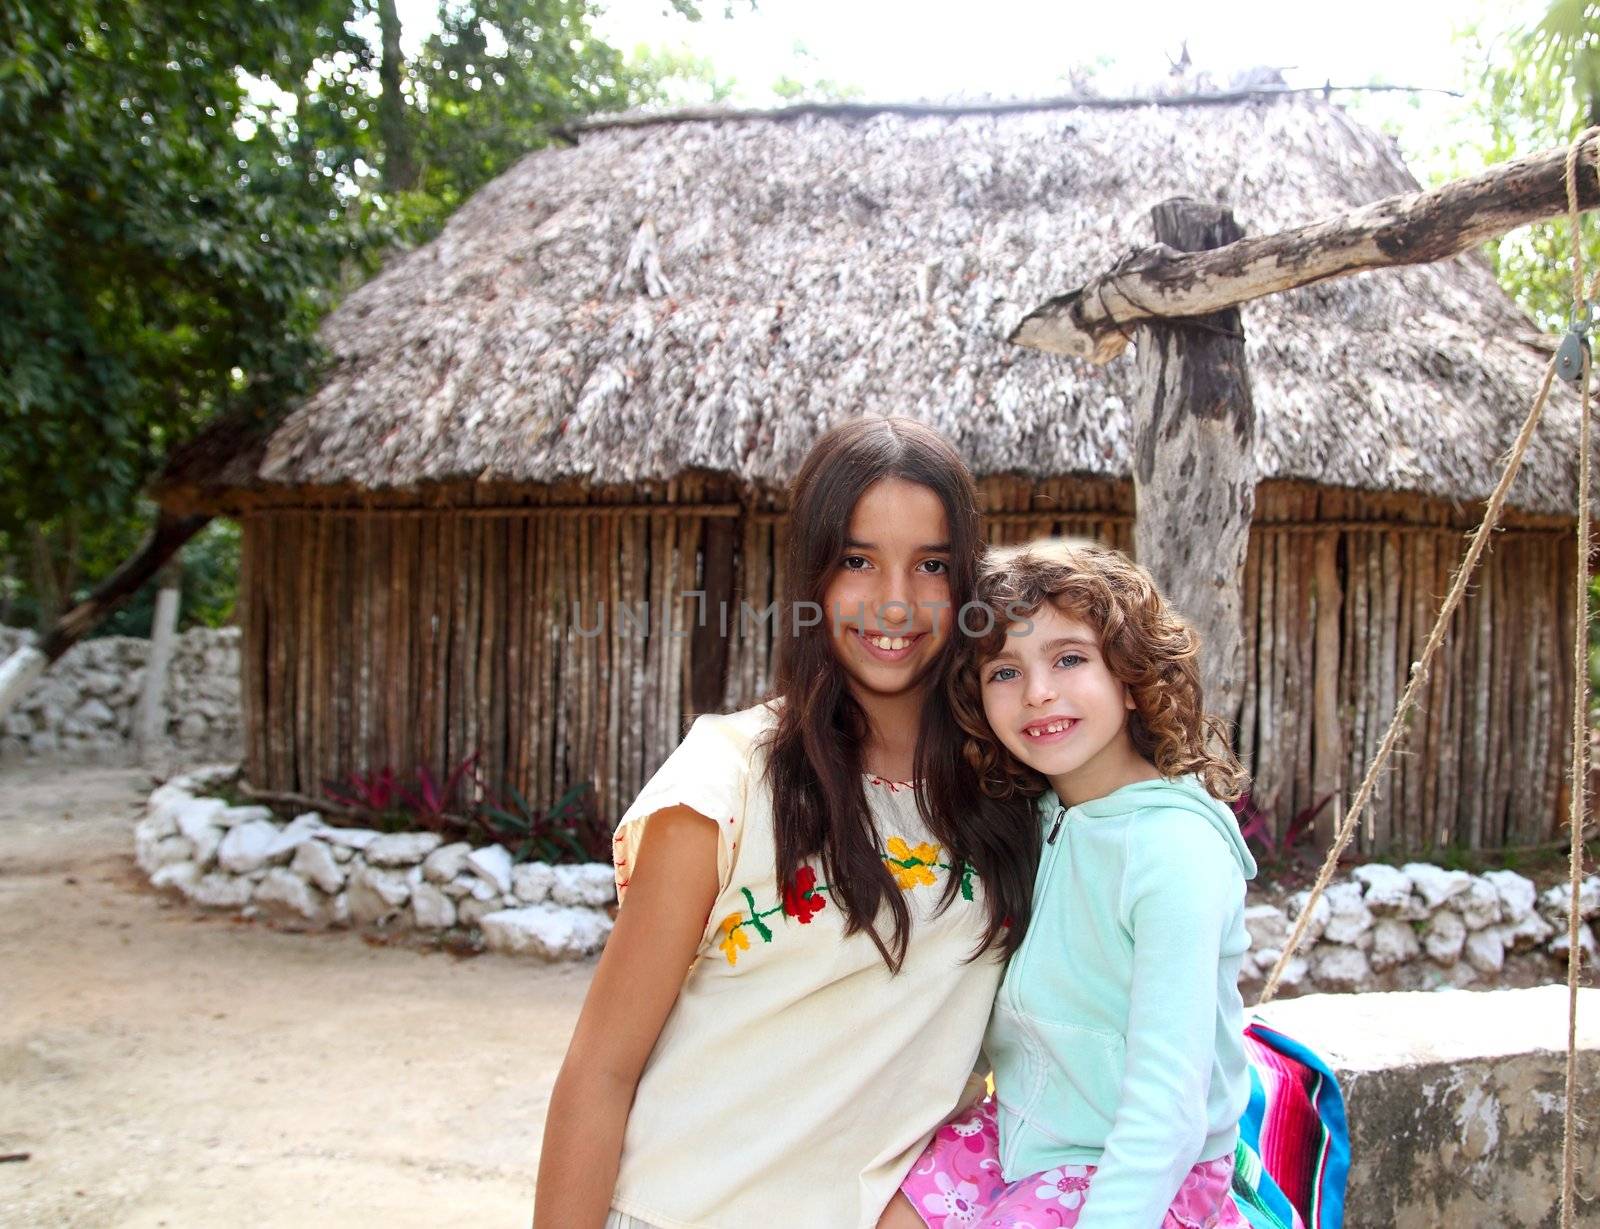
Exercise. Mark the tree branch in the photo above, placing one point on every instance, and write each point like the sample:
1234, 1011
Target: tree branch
1415, 228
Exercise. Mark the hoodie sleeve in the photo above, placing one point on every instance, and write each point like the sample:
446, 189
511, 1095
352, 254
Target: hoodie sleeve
1181, 886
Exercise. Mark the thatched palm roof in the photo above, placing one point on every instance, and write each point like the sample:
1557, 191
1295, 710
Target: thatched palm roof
711, 295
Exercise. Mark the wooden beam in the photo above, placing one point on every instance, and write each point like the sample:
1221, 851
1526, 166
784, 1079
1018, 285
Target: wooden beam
1415, 228
1005, 106
1194, 475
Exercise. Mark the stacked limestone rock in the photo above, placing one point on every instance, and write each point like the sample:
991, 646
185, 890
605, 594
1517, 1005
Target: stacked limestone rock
1382, 928
81, 708
1417, 927
308, 873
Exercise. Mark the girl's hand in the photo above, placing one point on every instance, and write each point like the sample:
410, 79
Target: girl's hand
671, 889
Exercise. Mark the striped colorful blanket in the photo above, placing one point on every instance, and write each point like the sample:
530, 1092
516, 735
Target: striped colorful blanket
1293, 1154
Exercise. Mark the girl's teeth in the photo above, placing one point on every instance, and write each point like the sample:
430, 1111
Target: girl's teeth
1052, 728
893, 642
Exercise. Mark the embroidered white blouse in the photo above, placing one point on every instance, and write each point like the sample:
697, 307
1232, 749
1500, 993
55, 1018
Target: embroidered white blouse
795, 1080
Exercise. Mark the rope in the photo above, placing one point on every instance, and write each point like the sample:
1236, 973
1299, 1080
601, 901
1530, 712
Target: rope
1580, 707
1419, 674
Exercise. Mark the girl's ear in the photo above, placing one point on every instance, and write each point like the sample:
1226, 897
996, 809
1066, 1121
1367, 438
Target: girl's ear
1127, 699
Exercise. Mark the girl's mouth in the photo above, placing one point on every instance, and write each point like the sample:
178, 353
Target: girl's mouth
888, 648
1051, 731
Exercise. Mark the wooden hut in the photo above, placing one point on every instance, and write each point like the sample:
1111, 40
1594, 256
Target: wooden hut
592, 387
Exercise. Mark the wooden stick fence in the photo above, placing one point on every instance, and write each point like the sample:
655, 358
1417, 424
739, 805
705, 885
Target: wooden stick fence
557, 642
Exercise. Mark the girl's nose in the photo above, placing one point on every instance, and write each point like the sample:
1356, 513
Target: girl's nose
1040, 690
895, 609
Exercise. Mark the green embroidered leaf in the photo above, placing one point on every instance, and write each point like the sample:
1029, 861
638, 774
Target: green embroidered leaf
755, 917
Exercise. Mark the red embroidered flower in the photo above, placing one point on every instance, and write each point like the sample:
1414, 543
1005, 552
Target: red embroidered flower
800, 898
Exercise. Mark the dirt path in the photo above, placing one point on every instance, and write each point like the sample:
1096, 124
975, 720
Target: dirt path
165, 1069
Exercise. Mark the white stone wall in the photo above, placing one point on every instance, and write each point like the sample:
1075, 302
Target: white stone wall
1416, 927
307, 873
1419, 927
81, 708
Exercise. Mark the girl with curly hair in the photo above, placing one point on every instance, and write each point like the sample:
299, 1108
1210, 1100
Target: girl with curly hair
1117, 1035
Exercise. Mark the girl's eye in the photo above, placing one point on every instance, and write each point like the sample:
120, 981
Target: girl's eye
999, 676
1072, 657
845, 562
940, 566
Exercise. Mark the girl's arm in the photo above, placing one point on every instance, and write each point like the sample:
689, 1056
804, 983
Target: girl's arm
1179, 898
671, 889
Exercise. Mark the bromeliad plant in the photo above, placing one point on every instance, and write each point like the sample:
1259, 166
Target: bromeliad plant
1256, 826
380, 799
463, 807
570, 831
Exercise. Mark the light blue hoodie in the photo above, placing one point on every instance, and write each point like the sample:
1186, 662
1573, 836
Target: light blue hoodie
1117, 1036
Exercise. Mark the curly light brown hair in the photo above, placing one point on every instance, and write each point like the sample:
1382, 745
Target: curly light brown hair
1146, 645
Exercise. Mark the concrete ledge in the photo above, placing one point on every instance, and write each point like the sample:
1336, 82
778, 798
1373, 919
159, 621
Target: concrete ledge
1455, 1101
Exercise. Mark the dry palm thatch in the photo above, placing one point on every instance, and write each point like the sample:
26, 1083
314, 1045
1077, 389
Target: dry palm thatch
710, 295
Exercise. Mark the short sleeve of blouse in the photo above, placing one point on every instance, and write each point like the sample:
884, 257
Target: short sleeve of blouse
707, 771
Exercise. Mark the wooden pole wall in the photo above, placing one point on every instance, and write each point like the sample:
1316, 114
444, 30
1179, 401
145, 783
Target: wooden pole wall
376, 638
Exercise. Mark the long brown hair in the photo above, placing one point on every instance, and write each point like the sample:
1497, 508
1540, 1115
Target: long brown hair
1146, 645
814, 768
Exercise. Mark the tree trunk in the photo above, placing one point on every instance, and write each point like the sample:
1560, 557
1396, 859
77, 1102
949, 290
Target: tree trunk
54, 556
150, 717
1194, 474
394, 122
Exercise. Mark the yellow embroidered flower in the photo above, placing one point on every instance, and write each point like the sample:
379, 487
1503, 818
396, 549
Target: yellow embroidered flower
733, 937
923, 857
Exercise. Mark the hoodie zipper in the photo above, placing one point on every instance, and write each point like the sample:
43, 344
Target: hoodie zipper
1035, 1042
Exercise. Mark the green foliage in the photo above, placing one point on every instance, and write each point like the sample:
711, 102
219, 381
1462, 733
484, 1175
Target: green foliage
570, 831
1565, 45
158, 268
206, 593
1536, 87
186, 188
814, 87
668, 77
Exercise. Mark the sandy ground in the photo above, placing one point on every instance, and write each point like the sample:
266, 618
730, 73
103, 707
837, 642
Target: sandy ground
167, 1069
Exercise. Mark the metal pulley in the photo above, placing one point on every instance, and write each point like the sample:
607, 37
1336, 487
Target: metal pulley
1574, 346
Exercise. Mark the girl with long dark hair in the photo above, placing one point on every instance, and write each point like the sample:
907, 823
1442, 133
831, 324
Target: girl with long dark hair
818, 898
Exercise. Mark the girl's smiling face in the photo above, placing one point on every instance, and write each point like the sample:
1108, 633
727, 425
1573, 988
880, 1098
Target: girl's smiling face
1055, 705
887, 606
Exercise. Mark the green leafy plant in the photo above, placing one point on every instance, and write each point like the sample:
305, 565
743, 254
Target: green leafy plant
570, 831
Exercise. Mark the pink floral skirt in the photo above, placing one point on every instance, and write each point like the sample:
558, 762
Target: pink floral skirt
957, 1182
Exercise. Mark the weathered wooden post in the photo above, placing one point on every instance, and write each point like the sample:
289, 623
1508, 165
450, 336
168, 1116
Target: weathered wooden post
1194, 466
150, 714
